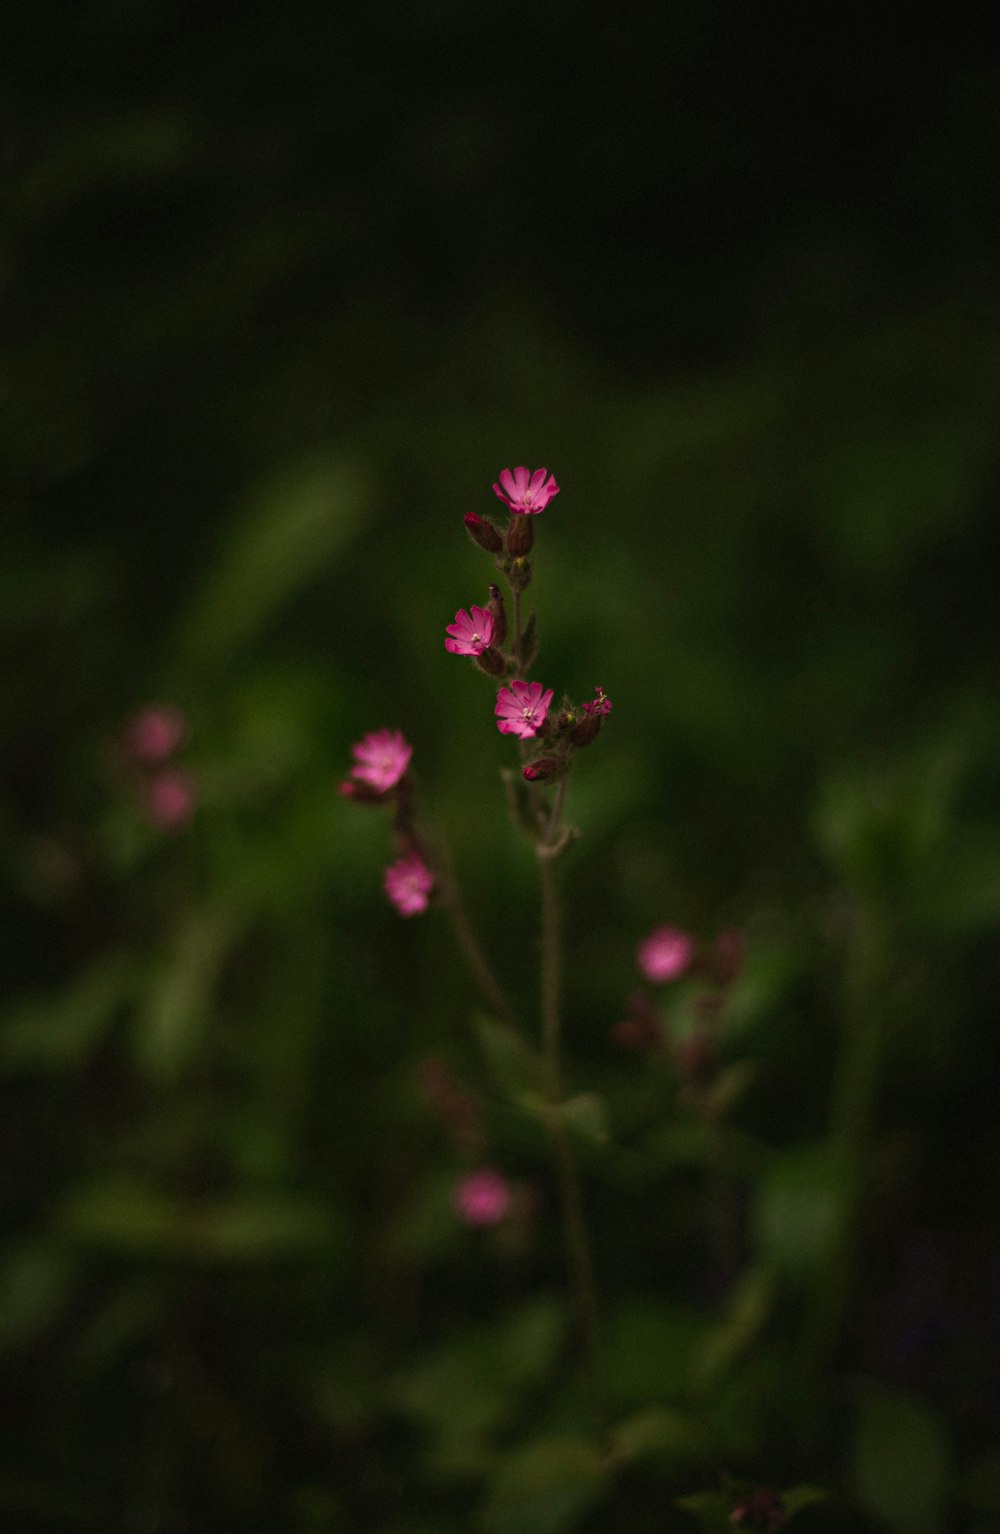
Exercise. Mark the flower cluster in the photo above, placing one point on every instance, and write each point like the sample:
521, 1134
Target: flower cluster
380, 775
167, 792
523, 708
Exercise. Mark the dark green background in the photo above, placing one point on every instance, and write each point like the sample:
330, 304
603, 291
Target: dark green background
284, 289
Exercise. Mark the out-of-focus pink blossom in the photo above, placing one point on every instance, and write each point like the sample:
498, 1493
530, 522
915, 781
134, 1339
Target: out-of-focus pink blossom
526, 493
170, 799
471, 633
155, 733
408, 884
762, 1509
381, 759
482, 1198
600, 704
665, 954
521, 709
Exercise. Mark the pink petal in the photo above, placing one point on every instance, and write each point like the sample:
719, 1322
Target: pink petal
537, 479
509, 483
521, 479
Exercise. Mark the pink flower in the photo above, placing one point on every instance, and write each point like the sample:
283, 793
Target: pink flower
471, 633
665, 954
155, 733
521, 709
408, 884
170, 799
381, 759
601, 704
526, 493
482, 1198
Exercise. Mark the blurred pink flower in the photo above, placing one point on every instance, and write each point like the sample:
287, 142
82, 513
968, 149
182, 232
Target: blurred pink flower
482, 1198
526, 493
471, 633
381, 759
601, 704
155, 733
665, 954
521, 709
408, 884
170, 799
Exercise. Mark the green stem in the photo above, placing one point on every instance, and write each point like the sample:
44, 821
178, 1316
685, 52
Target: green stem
468, 942
517, 625
578, 1254
852, 1125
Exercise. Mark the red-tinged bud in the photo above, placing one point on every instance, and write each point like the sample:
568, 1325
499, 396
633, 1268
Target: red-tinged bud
492, 662
520, 537
586, 730
519, 574
633, 1033
499, 615
544, 770
761, 1510
483, 533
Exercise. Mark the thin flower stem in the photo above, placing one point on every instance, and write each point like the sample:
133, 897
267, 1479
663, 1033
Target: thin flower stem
517, 625
574, 1224
468, 942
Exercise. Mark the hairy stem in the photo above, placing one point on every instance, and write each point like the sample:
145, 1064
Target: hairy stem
517, 625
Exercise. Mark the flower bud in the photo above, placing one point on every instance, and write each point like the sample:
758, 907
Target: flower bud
519, 575
499, 615
483, 533
543, 770
762, 1510
361, 793
520, 537
586, 730
492, 662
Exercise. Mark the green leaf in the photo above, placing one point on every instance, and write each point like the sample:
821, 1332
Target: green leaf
711, 1509
543, 1488
798, 1201
57, 1032
586, 1115
798, 1497
660, 1432
901, 1461
177, 1007
517, 1067
284, 540
748, 1309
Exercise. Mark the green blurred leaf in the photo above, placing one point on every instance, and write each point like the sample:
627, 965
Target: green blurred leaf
285, 539
799, 1497
710, 1508
177, 1006
586, 1115
543, 1488
901, 1461
797, 1203
58, 1031
660, 1432
747, 1310
36, 1281
651, 1350
133, 1217
518, 1067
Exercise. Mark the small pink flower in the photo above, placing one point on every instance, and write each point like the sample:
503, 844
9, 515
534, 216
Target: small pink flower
521, 709
471, 633
170, 799
526, 493
482, 1198
155, 733
381, 759
408, 884
665, 954
601, 704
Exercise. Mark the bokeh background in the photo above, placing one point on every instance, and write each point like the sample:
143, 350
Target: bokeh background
284, 289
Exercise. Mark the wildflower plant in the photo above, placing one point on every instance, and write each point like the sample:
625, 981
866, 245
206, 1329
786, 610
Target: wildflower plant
678, 1016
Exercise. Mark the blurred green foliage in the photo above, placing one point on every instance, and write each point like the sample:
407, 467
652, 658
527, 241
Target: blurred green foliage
283, 293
